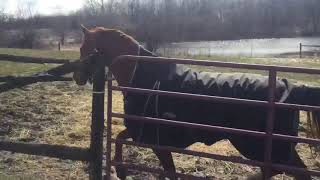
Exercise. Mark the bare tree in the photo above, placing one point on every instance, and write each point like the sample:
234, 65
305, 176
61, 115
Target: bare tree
25, 9
160, 21
2, 11
61, 25
314, 15
96, 7
2, 22
102, 6
28, 19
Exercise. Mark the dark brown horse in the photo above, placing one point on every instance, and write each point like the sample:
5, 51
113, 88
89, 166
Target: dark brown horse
113, 43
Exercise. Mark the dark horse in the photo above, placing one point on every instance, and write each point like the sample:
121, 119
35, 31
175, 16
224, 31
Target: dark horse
173, 77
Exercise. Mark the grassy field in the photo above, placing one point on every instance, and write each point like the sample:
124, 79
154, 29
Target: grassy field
60, 112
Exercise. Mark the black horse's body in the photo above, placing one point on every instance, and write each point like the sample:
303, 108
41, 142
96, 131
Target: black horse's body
178, 78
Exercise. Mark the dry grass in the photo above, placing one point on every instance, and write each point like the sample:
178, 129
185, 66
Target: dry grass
45, 113
60, 113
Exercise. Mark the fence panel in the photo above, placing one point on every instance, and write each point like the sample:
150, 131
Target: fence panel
94, 153
271, 105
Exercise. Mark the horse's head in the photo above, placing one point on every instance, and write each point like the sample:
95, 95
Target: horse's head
109, 43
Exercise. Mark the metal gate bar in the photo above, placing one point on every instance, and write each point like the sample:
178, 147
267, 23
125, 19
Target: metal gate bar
219, 64
216, 98
217, 128
269, 126
234, 159
109, 126
156, 171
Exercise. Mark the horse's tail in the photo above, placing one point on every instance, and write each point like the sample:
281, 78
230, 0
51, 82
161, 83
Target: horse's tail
312, 97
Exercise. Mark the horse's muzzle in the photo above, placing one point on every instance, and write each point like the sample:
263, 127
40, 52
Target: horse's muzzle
80, 81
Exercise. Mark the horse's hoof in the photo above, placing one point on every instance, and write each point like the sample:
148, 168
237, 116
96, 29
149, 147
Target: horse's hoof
121, 172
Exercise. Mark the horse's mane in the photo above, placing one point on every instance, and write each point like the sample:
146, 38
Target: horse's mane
115, 31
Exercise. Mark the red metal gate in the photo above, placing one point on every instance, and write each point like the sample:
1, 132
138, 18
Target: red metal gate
268, 135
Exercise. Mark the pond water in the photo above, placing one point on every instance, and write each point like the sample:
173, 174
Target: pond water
243, 47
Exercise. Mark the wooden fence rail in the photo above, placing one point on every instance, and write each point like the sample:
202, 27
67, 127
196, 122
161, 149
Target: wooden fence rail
56, 151
54, 74
18, 82
25, 59
39, 78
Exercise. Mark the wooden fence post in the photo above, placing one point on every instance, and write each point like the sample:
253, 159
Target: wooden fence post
300, 52
59, 46
109, 128
97, 126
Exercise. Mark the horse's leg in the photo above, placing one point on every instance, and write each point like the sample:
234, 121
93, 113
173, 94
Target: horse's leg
166, 161
245, 149
121, 172
297, 161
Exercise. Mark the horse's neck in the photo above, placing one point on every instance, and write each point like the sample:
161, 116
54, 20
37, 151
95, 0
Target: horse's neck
312, 96
306, 95
124, 70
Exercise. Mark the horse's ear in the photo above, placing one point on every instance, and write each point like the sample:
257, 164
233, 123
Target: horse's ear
84, 29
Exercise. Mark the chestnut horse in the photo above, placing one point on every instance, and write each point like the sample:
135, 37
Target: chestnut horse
113, 43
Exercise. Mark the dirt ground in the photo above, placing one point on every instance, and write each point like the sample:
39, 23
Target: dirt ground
60, 112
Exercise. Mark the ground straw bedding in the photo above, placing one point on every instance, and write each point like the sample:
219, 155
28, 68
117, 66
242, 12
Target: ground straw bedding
60, 113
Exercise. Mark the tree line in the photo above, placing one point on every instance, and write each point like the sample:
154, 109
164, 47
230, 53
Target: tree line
161, 21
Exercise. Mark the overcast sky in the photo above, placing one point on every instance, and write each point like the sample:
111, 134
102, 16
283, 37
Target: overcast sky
45, 7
